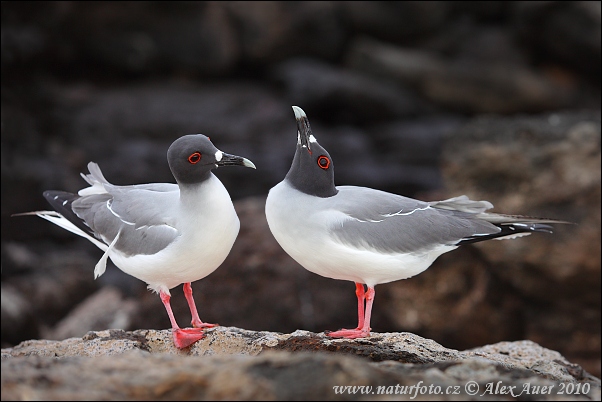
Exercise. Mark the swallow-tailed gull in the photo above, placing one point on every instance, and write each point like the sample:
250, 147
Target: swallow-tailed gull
369, 236
164, 234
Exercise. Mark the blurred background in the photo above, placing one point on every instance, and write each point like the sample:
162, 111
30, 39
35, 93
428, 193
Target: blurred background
495, 100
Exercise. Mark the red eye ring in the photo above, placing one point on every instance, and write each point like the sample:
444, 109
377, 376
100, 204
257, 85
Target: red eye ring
324, 162
195, 157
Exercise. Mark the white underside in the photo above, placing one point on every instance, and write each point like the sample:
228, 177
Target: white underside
301, 223
207, 224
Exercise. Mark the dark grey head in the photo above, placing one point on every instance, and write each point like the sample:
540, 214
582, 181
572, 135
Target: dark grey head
312, 170
193, 156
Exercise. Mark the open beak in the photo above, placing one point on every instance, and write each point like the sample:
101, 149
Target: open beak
233, 160
303, 128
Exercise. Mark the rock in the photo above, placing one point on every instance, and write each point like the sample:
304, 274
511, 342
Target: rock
479, 42
104, 309
463, 85
331, 94
271, 32
565, 33
242, 364
398, 22
409, 151
18, 318
143, 38
547, 166
457, 301
59, 281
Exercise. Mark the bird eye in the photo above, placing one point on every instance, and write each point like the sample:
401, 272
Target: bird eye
324, 162
194, 158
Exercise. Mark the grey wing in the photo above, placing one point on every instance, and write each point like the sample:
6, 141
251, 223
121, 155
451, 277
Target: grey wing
141, 216
396, 224
145, 204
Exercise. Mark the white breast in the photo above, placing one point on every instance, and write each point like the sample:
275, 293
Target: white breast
301, 224
208, 226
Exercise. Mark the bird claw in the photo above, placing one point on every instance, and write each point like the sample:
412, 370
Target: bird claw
348, 333
201, 324
184, 337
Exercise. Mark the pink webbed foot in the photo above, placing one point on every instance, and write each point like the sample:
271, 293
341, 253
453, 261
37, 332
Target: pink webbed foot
196, 321
348, 333
184, 337
201, 324
363, 312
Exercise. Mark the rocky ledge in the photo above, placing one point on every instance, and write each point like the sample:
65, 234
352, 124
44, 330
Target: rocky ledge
232, 363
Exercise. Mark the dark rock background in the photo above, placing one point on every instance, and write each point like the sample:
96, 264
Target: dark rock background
495, 100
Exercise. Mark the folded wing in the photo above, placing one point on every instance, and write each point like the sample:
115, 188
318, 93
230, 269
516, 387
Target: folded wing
394, 224
139, 213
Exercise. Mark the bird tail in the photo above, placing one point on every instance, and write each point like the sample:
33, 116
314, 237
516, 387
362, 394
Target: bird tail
463, 204
512, 226
95, 179
503, 219
61, 221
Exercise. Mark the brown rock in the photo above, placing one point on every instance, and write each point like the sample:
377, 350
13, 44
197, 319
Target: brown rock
547, 166
456, 301
541, 166
230, 363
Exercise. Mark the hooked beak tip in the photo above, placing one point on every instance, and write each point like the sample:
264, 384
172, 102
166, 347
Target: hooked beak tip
299, 113
248, 163
303, 128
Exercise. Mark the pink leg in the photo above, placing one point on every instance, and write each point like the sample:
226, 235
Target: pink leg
369, 301
363, 329
182, 338
196, 321
361, 297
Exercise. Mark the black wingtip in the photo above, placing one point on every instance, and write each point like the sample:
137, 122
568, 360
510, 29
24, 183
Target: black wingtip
509, 230
61, 202
540, 227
